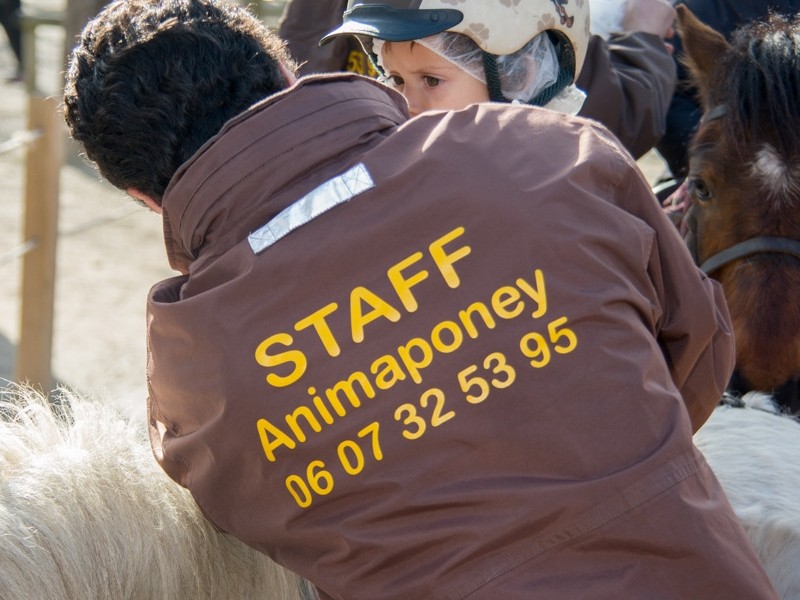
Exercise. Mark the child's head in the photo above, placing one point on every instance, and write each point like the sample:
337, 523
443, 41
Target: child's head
427, 78
446, 71
446, 58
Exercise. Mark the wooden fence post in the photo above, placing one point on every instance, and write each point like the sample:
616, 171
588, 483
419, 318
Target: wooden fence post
42, 168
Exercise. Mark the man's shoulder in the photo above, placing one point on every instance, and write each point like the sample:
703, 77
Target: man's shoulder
497, 129
507, 146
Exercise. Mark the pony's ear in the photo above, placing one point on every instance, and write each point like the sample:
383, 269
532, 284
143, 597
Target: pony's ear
703, 47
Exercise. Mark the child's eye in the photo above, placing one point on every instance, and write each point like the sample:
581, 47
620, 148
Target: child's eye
431, 81
394, 81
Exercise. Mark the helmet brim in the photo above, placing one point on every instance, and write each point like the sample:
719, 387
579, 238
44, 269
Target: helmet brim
394, 24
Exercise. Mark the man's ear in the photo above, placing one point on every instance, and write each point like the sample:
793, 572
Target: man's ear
148, 201
287, 74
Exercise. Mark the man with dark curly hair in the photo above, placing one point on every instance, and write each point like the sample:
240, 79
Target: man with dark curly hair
457, 356
142, 101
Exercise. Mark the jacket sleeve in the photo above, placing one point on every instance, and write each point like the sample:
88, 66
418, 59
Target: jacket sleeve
696, 336
628, 81
303, 23
695, 330
693, 325
683, 115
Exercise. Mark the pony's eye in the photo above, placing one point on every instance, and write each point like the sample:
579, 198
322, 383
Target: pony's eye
700, 190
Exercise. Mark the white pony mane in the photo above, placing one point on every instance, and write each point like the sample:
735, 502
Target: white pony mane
752, 451
86, 513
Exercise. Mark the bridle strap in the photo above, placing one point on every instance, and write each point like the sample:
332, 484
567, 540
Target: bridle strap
754, 245
715, 113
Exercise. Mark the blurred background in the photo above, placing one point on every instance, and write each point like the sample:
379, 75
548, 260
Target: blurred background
106, 251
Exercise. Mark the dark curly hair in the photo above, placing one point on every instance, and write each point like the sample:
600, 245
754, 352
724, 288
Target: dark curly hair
152, 80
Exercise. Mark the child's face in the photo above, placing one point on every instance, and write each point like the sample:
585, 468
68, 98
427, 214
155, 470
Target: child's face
427, 80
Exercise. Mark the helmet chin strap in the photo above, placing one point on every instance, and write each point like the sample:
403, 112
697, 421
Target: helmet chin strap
493, 78
566, 64
547, 94
566, 70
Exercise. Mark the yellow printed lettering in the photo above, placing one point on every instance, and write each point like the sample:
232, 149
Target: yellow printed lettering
380, 307
503, 298
274, 360
403, 285
279, 438
411, 364
455, 333
538, 295
346, 387
407, 361
466, 318
445, 261
387, 372
308, 416
320, 406
317, 320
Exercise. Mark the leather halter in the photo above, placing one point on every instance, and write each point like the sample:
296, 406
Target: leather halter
755, 245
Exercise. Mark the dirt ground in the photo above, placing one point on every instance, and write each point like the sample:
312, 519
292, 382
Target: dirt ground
109, 254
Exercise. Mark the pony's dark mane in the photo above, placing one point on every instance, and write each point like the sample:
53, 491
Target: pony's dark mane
762, 83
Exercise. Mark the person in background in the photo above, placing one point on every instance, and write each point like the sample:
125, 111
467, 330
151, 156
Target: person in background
684, 112
9, 19
629, 75
624, 82
301, 25
455, 356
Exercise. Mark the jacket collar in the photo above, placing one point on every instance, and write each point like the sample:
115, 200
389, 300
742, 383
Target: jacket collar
301, 136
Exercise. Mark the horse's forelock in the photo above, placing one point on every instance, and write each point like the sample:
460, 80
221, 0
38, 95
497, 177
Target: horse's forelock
763, 84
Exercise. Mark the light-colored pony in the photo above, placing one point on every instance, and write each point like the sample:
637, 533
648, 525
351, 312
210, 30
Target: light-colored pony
753, 450
86, 513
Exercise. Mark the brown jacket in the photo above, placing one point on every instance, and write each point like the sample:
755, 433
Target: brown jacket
629, 82
302, 25
434, 360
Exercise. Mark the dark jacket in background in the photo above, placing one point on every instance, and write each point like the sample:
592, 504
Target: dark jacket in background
303, 24
684, 110
628, 81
